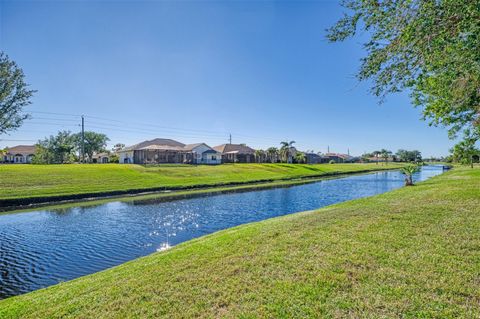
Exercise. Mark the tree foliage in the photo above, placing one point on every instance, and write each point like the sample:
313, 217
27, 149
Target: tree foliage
286, 151
94, 143
58, 149
300, 157
408, 172
272, 153
409, 156
64, 147
14, 95
465, 151
117, 147
429, 48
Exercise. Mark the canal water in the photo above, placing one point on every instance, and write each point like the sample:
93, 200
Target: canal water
47, 246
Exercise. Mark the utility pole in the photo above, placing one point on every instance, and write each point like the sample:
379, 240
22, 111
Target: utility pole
230, 138
328, 149
83, 139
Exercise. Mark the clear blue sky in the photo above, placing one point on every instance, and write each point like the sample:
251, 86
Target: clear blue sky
196, 71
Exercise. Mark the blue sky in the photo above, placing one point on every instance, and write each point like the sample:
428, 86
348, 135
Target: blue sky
197, 71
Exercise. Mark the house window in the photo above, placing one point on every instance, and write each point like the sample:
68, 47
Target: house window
214, 158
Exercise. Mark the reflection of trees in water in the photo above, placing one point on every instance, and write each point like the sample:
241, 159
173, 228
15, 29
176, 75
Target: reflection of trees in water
75, 209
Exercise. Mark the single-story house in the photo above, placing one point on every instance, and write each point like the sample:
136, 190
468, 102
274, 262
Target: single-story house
162, 151
337, 158
20, 154
203, 154
313, 158
236, 153
102, 158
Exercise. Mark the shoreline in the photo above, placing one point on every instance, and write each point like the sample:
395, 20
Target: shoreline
167, 193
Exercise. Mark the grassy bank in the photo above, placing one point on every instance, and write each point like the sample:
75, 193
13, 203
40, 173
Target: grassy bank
43, 181
410, 253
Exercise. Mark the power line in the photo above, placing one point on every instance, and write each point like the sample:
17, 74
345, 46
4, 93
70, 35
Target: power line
137, 127
54, 119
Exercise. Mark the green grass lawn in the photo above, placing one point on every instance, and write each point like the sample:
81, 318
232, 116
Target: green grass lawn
27, 181
410, 253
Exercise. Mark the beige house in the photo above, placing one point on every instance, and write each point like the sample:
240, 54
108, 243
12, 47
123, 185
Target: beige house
236, 153
163, 151
101, 158
20, 154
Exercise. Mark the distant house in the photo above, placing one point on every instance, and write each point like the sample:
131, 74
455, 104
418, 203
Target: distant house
20, 154
203, 154
338, 158
236, 153
102, 158
163, 151
313, 158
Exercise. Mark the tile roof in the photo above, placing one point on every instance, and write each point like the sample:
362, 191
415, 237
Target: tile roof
157, 143
234, 148
190, 147
22, 149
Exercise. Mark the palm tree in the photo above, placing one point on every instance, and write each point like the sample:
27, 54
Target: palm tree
286, 151
408, 171
300, 157
259, 156
272, 153
385, 155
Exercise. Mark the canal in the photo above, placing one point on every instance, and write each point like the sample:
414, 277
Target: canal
48, 246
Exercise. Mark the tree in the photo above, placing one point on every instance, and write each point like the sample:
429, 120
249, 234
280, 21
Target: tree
94, 143
259, 156
385, 155
464, 151
428, 48
376, 154
300, 157
366, 157
272, 153
117, 147
408, 171
409, 156
286, 151
58, 149
14, 95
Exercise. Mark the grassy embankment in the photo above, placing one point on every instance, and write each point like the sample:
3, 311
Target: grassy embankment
411, 253
44, 181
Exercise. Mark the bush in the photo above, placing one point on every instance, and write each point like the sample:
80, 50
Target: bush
113, 158
331, 162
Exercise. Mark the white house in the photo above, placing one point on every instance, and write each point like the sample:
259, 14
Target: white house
204, 154
20, 154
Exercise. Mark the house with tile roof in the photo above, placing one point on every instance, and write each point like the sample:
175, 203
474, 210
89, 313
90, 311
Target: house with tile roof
20, 154
163, 151
236, 153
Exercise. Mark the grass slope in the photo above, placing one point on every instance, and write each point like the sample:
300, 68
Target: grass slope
410, 253
28, 181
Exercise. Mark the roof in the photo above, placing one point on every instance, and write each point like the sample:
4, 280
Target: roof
211, 151
159, 143
99, 155
161, 147
337, 155
190, 147
234, 148
22, 149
